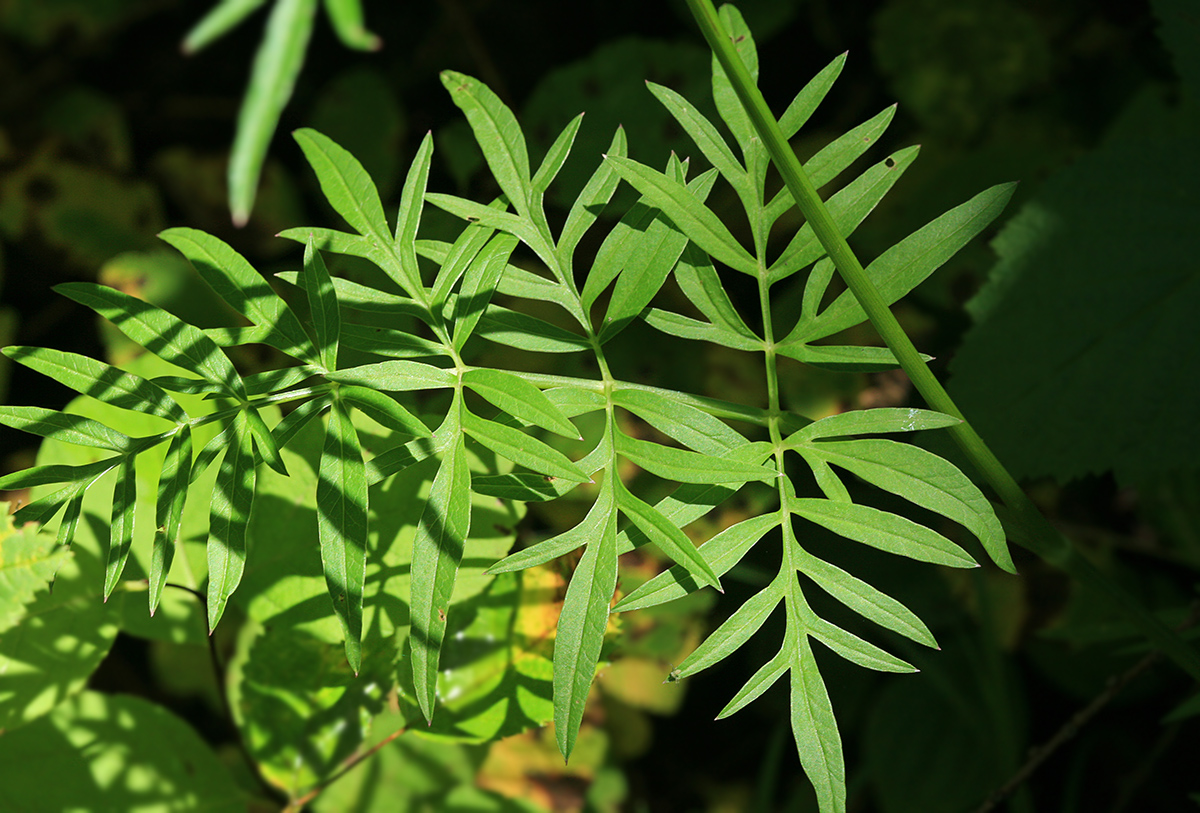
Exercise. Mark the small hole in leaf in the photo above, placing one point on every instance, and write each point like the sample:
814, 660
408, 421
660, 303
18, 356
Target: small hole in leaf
889, 162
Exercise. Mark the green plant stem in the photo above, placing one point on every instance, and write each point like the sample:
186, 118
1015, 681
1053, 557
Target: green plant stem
1026, 524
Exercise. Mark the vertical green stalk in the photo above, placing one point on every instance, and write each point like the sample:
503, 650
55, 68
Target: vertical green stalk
1023, 521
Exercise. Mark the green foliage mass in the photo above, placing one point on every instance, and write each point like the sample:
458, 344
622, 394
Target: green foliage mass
342, 529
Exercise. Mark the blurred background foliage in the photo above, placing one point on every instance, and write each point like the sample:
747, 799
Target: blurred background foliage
1070, 340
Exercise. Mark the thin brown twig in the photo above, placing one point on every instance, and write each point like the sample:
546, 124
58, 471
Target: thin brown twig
350, 764
1081, 718
273, 793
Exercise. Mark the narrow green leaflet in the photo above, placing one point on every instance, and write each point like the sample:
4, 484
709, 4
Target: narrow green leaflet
706, 137
589, 529
596, 194
734, 632
342, 526
64, 427
683, 466
802, 107
908, 263
217, 22
685, 423
649, 260
581, 626
99, 380
844, 358
232, 499
663, 533
863, 598
408, 219
383, 409
276, 66
121, 526
726, 99
522, 449
346, 16
347, 186
556, 156
873, 421
759, 682
722, 552
519, 398
396, 376
834, 159
692, 217
397, 459
499, 136
264, 441
853, 648
700, 284
235, 280
687, 328
524, 332
479, 284
453, 258
173, 483
437, 553
882, 530
923, 478
384, 341
159, 331
56, 473
848, 207
322, 301
296, 420
70, 521
815, 729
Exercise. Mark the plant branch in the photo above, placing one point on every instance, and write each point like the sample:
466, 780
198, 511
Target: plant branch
273, 793
1027, 526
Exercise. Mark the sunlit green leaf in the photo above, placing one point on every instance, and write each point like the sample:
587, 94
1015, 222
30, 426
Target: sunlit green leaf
232, 499
173, 483
581, 626
556, 156
396, 376
688, 467
347, 19
383, 409
522, 449
159, 331
346, 185
342, 526
733, 632
519, 398
437, 553
669, 539
64, 427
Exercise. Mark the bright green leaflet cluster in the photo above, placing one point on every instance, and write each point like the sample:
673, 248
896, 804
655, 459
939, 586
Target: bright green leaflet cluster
668, 231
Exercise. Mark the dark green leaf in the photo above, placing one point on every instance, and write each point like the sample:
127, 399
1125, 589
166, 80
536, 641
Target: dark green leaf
396, 376
277, 63
99, 380
323, 304
121, 527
